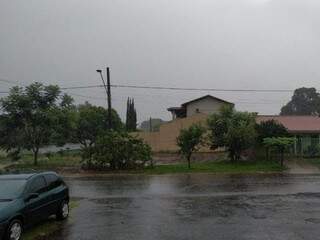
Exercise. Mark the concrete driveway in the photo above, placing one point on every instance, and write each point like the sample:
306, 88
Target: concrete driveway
301, 166
195, 207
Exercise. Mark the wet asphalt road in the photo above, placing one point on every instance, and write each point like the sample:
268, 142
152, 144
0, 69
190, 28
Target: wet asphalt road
194, 207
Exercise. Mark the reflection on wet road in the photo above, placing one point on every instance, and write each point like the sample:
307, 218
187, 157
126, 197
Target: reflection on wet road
195, 207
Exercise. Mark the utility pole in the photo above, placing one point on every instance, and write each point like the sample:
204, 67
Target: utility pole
107, 87
109, 98
150, 124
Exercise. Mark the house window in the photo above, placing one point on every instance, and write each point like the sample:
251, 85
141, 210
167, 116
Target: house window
197, 110
314, 140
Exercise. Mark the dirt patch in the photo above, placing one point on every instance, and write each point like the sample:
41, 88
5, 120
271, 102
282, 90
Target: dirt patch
169, 158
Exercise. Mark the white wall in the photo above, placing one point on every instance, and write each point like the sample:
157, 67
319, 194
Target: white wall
206, 105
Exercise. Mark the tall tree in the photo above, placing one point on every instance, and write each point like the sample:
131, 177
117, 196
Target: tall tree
11, 137
131, 117
305, 101
233, 130
64, 121
31, 113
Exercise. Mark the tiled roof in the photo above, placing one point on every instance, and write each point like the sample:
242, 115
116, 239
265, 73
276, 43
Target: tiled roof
295, 124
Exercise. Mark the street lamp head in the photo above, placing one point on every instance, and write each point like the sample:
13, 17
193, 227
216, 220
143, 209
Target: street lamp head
99, 71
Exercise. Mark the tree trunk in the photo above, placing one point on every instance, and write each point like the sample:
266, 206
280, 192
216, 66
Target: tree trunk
282, 157
35, 156
237, 157
232, 156
189, 161
90, 158
89, 162
112, 165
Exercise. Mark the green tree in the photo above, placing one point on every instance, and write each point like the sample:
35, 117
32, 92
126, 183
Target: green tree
270, 128
11, 137
131, 116
90, 122
305, 101
190, 140
120, 150
32, 111
280, 143
233, 130
64, 121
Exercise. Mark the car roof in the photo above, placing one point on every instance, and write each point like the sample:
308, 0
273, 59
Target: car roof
23, 176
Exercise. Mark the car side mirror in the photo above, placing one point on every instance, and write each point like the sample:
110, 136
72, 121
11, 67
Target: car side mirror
32, 196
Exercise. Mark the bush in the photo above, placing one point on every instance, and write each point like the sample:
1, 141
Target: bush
118, 151
61, 152
48, 155
14, 155
190, 141
270, 128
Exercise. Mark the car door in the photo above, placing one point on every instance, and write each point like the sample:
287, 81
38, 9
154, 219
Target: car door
56, 191
37, 207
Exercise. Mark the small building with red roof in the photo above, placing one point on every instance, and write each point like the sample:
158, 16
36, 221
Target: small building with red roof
306, 129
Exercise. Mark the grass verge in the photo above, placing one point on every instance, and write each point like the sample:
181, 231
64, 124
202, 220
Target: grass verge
48, 228
52, 162
43, 231
72, 162
217, 167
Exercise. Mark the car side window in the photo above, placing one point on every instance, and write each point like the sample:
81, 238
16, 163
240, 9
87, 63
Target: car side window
53, 181
38, 185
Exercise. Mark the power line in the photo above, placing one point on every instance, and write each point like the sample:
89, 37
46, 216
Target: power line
103, 98
182, 89
10, 82
203, 89
85, 96
82, 87
7, 81
164, 88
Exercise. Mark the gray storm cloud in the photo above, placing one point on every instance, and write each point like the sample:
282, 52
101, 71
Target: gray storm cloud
232, 44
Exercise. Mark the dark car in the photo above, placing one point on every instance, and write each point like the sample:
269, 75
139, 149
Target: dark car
26, 199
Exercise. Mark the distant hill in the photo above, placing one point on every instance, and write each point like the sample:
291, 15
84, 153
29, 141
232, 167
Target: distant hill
155, 123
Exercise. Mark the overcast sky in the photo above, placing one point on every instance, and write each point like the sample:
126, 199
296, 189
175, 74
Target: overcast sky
230, 44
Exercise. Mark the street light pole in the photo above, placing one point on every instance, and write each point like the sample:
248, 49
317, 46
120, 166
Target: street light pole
107, 87
109, 98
